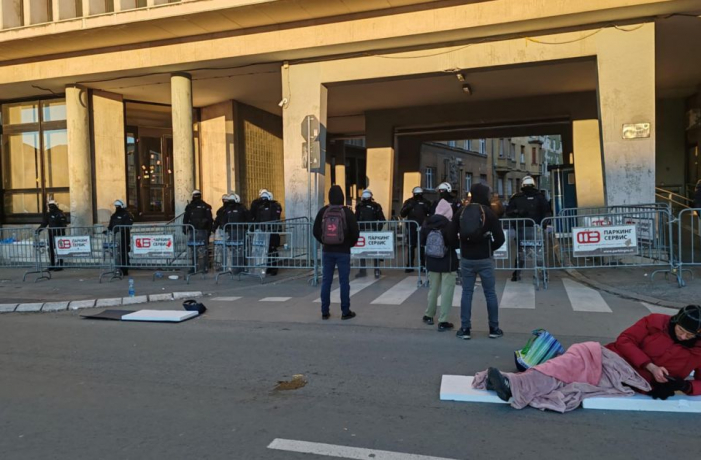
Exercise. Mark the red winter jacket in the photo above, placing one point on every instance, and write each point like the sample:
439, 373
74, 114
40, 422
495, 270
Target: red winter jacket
648, 341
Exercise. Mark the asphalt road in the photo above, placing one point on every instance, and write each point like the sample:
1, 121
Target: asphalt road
81, 389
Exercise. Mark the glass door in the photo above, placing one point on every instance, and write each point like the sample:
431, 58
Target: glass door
150, 174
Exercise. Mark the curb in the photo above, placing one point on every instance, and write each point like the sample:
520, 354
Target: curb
95, 303
623, 293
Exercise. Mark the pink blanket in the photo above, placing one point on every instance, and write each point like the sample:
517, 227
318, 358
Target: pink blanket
581, 363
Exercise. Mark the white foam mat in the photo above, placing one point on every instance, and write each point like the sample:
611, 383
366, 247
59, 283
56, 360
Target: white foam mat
638, 402
459, 388
170, 316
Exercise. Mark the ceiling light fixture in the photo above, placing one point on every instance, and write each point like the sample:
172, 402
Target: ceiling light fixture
460, 77
467, 89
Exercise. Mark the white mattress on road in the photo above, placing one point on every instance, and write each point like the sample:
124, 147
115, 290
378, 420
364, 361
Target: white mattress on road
170, 316
459, 388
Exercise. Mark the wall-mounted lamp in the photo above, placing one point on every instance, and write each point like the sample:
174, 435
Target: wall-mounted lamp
467, 89
460, 77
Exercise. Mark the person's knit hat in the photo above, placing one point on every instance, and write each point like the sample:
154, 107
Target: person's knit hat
444, 209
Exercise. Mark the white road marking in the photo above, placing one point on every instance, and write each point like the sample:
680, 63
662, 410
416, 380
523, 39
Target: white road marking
518, 294
398, 293
330, 450
584, 298
275, 299
457, 296
356, 286
658, 309
225, 299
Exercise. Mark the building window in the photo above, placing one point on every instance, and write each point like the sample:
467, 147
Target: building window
483, 179
500, 186
430, 177
483, 146
502, 147
468, 182
451, 144
523, 154
512, 152
534, 155
34, 158
509, 187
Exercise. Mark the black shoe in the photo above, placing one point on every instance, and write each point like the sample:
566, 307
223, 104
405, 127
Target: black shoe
463, 333
495, 333
377, 273
325, 315
516, 276
428, 320
361, 273
409, 270
496, 381
349, 315
271, 271
442, 327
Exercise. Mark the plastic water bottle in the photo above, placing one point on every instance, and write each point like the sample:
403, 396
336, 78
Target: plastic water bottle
131, 287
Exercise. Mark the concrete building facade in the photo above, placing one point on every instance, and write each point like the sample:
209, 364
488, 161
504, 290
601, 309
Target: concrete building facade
146, 100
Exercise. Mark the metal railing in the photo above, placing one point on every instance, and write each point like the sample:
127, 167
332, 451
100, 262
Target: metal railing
522, 250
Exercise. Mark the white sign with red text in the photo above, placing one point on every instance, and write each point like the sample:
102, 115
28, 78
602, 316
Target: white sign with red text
72, 245
604, 241
152, 244
374, 245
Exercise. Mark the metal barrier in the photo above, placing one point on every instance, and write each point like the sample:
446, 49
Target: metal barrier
688, 243
258, 249
19, 249
637, 237
162, 247
522, 250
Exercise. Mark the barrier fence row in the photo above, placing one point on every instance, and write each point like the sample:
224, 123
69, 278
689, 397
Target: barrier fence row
644, 235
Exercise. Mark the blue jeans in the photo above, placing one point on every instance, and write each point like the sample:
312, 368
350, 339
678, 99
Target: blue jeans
469, 269
329, 261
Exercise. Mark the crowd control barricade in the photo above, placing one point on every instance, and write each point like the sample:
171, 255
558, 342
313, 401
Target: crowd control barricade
688, 243
259, 249
162, 247
74, 248
387, 245
635, 237
19, 248
523, 249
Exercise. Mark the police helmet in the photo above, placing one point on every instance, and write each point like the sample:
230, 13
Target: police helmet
689, 319
196, 193
446, 187
262, 191
366, 195
52, 202
119, 204
527, 181
266, 195
225, 197
235, 198
417, 191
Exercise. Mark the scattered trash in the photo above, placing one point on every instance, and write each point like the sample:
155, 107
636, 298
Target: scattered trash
173, 277
298, 381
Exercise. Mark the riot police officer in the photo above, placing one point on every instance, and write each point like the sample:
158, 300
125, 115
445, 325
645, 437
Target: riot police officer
199, 214
56, 221
416, 209
224, 202
266, 209
234, 213
529, 203
368, 210
120, 221
445, 192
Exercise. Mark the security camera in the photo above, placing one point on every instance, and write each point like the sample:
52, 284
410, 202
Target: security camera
283, 102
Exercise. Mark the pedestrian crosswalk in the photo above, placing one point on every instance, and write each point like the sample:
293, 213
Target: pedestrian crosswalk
403, 291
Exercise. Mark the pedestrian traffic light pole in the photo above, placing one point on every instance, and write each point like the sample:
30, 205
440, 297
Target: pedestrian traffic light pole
313, 157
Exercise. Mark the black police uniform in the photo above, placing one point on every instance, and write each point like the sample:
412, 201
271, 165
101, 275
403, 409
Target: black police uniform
199, 214
417, 209
529, 203
122, 236
56, 221
369, 211
234, 213
264, 210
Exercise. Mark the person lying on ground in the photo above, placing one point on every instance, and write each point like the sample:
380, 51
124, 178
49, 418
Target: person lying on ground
654, 356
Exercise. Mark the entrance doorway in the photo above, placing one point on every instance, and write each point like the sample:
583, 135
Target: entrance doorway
150, 173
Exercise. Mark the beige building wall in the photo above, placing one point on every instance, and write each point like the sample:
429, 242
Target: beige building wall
217, 149
588, 163
110, 162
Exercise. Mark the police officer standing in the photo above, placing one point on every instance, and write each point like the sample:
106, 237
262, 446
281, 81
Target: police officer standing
266, 209
224, 202
416, 209
56, 221
122, 236
529, 203
234, 212
445, 192
368, 210
199, 214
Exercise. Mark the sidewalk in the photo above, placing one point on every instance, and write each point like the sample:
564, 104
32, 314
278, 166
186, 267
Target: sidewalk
82, 287
638, 284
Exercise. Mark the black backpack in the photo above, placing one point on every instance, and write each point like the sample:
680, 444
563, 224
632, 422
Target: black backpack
472, 223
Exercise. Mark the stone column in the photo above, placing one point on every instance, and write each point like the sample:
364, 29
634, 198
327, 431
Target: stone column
588, 163
79, 158
305, 96
183, 140
626, 69
379, 138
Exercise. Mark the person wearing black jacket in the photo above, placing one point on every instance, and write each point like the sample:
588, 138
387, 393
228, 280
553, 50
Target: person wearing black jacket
56, 221
476, 259
445, 192
263, 210
120, 223
336, 255
368, 210
235, 213
417, 209
199, 214
441, 271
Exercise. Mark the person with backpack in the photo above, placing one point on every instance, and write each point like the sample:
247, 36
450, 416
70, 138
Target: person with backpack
526, 204
198, 214
336, 228
265, 209
368, 210
445, 192
416, 209
56, 221
480, 235
120, 225
440, 240
236, 213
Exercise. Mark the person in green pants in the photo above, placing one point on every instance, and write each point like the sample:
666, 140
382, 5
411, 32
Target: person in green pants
440, 242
